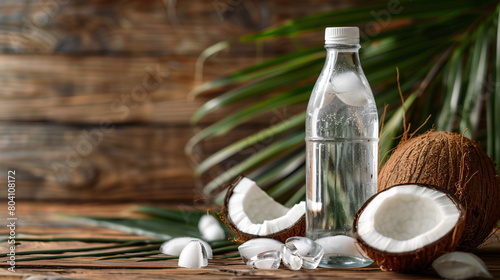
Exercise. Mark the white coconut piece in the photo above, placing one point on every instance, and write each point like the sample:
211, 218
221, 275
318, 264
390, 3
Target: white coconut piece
193, 255
210, 228
407, 218
206, 221
341, 245
174, 246
460, 265
254, 212
257, 246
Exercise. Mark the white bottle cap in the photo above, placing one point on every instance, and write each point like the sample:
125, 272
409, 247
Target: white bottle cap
342, 35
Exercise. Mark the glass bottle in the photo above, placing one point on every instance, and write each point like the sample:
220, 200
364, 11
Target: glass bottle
341, 144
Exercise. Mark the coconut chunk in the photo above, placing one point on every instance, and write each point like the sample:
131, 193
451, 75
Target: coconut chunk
258, 206
407, 218
251, 212
193, 255
405, 227
174, 247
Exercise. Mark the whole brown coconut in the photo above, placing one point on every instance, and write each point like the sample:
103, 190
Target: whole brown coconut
455, 163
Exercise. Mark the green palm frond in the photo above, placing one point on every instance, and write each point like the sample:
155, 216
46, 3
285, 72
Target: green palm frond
161, 225
447, 53
493, 108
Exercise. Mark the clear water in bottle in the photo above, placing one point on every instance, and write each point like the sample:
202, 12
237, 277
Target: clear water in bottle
342, 149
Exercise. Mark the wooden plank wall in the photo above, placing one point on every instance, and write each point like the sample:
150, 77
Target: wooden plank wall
93, 93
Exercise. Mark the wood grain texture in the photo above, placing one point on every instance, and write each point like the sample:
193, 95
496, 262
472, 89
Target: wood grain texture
88, 89
39, 219
101, 163
147, 27
67, 66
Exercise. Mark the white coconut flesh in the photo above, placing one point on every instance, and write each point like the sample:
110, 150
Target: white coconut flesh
406, 218
254, 212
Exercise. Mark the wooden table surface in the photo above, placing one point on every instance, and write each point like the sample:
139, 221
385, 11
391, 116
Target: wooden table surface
40, 219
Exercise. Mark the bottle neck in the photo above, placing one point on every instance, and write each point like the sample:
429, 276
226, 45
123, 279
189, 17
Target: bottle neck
340, 56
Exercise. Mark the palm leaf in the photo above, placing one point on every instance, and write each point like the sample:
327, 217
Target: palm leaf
272, 66
294, 122
453, 81
277, 170
473, 94
154, 227
100, 254
260, 86
494, 112
430, 46
299, 195
80, 249
184, 217
421, 9
272, 150
287, 98
288, 184
133, 255
162, 224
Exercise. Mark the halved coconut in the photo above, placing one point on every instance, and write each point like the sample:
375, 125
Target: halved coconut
405, 227
250, 212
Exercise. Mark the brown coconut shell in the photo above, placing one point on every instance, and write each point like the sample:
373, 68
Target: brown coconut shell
457, 164
297, 229
417, 260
